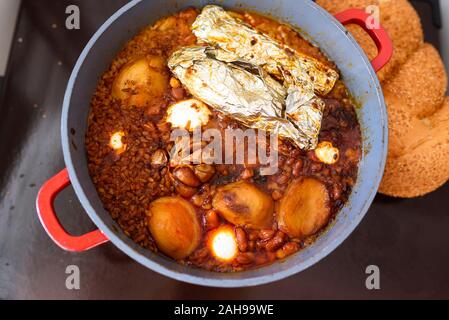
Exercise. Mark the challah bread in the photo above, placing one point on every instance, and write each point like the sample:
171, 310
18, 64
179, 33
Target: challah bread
421, 82
424, 164
413, 94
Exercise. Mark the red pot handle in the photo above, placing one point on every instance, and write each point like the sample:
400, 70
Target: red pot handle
379, 35
49, 220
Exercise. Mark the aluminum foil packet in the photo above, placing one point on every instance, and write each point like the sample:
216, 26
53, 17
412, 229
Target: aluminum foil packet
247, 93
218, 28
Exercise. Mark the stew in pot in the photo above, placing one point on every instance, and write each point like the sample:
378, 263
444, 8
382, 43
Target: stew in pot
222, 217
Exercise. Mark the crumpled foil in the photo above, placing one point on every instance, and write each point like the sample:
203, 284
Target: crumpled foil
247, 93
218, 28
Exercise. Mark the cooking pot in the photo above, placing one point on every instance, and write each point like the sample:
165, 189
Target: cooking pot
317, 26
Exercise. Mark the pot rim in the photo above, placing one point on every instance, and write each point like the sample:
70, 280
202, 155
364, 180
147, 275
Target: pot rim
189, 278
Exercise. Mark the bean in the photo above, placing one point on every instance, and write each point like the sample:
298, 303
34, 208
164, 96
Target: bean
281, 234
204, 172
178, 93
261, 259
297, 168
261, 245
296, 153
275, 243
187, 177
201, 254
253, 235
312, 156
287, 170
242, 240
267, 234
291, 161
183, 190
283, 179
198, 200
281, 161
245, 258
271, 256
276, 195
287, 250
251, 245
212, 220
316, 167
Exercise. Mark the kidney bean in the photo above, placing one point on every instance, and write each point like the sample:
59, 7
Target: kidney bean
316, 167
242, 240
291, 161
312, 155
276, 195
198, 200
271, 256
296, 153
281, 234
276, 242
245, 258
204, 172
283, 179
266, 234
281, 161
251, 245
201, 254
261, 260
187, 177
297, 168
212, 220
253, 235
213, 190
184, 190
178, 93
287, 250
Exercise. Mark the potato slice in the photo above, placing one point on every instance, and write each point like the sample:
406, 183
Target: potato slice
304, 209
174, 226
141, 80
243, 204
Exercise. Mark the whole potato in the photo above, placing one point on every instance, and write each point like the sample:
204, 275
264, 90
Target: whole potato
304, 209
243, 204
175, 227
141, 80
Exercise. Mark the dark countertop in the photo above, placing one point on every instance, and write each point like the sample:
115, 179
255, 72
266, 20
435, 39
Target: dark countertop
407, 239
